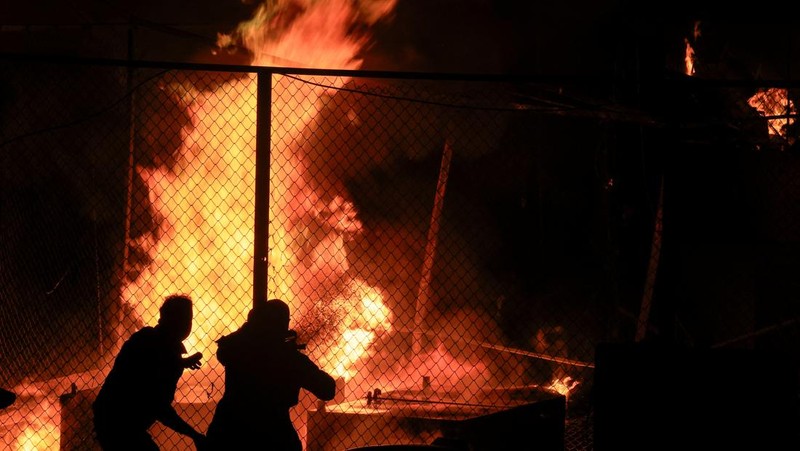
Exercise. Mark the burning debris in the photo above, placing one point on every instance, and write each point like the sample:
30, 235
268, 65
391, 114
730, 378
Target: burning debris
779, 110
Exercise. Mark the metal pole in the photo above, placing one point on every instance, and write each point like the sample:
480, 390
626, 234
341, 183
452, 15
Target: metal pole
261, 226
423, 295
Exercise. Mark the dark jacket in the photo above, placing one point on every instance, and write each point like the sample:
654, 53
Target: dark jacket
263, 377
140, 387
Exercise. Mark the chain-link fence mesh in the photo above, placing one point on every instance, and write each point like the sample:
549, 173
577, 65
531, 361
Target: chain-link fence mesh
452, 251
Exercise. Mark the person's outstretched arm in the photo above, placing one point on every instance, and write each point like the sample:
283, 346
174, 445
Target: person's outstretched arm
317, 381
193, 361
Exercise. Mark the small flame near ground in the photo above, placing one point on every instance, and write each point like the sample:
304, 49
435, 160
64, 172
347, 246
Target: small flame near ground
690, 57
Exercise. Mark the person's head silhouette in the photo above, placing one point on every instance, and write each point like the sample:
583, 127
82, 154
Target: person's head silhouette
175, 318
270, 316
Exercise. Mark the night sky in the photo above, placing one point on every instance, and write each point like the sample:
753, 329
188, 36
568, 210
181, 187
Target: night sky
575, 37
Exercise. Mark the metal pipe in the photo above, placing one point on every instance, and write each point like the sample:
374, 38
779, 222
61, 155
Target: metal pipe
378, 399
509, 349
536, 355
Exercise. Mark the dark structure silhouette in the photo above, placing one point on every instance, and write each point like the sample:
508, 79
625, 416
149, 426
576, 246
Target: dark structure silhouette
141, 386
264, 372
6, 398
663, 396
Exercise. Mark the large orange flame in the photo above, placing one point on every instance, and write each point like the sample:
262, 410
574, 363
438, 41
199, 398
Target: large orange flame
206, 248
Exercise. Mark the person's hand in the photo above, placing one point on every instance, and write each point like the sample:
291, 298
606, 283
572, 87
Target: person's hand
193, 361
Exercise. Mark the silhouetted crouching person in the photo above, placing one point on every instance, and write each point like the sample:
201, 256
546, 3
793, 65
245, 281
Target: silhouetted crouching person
264, 372
140, 388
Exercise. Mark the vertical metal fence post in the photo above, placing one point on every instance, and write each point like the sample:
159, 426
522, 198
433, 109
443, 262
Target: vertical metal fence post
261, 227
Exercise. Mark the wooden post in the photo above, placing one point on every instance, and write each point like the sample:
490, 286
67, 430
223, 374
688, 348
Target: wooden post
652, 269
423, 293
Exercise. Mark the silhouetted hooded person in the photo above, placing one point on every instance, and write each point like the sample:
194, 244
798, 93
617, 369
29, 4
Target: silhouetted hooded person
264, 372
140, 388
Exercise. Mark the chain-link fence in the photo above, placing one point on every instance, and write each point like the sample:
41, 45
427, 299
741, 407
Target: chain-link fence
453, 250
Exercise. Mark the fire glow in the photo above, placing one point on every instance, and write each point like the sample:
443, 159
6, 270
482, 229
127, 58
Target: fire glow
34, 424
205, 244
774, 104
